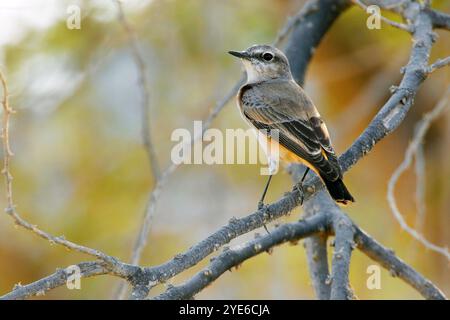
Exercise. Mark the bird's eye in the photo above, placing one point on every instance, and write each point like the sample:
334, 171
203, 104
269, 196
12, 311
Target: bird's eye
267, 56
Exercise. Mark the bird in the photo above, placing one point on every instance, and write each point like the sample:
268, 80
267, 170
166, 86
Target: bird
272, 100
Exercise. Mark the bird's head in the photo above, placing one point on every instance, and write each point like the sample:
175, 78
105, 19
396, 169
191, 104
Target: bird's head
263, 62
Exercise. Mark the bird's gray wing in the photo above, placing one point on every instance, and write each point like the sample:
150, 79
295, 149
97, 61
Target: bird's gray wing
283, 107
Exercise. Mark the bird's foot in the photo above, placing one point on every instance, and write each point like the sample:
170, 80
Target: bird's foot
262, 206
298, 187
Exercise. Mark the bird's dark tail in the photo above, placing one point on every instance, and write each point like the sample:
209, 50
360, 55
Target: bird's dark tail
338, 191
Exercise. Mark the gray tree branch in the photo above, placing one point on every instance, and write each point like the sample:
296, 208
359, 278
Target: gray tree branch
398, 268
421, 129
230, 258
55, 280
343, 246
440, 19
316, 244
438, 64
317, 256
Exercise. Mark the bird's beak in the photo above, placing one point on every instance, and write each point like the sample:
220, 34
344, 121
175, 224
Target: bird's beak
240, 54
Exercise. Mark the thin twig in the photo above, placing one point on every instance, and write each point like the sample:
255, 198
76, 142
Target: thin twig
146, 138
7, 153
145, 94
422, 129
419, 168
440, 63
394, 24
55, 280
11, 209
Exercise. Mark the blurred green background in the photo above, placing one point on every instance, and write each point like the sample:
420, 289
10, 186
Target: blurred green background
80, 169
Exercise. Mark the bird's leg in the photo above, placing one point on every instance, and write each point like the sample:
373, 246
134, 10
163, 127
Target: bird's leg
261, 201
304, 175
299, 185
265, 228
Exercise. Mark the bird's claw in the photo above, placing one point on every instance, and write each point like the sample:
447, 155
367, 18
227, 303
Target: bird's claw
299, 187
260, 205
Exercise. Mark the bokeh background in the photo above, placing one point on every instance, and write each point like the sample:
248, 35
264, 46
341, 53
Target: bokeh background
80, 169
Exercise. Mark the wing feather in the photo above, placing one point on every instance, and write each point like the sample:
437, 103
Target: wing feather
284, 106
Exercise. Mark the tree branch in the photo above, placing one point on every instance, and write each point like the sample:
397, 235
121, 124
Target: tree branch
234, 257
113, 265
396, 266
317, 255
343, 246
221, 237
141, 69
316, 244
438, 64
440, 19
55, 280
419, 170
419, 135
394, 24
316, 18
11, 208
